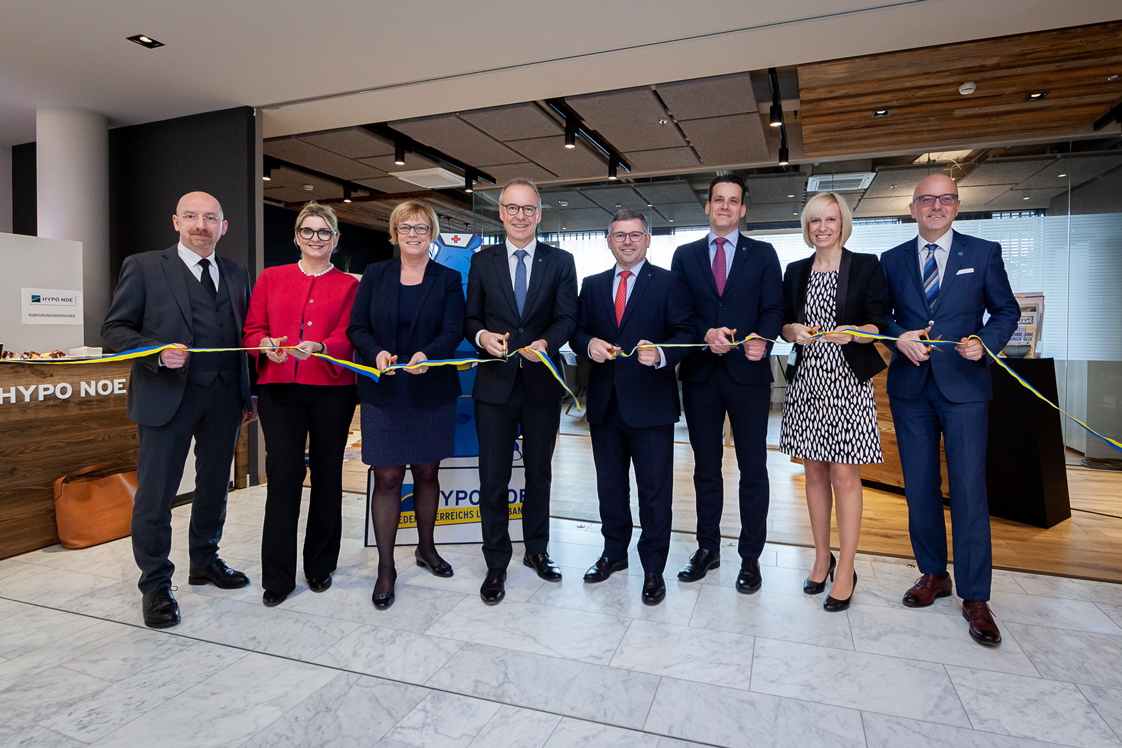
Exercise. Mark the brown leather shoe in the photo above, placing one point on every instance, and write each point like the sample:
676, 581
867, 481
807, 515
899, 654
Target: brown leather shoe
983, 629
927, 589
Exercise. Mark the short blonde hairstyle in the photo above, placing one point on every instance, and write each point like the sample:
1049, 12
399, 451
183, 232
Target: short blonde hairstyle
817, 205
414, 210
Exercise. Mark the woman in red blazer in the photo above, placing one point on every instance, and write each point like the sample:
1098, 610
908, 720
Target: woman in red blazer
303, 400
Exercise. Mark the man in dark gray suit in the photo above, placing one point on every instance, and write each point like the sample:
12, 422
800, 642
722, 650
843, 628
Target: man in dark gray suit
187, 296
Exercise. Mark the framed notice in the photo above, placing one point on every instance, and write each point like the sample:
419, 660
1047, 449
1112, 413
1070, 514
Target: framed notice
1030, 323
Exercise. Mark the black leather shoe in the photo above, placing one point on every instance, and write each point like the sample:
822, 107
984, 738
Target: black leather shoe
749, 579
543, 565
273, 599
493, 591
699, 565
817, 588
161, 611
218, 574
320, 584
440, 569
383, 600
834, 605
604, 568
654, 589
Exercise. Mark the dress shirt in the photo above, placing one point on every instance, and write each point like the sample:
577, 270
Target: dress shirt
191, 260
941, 253
512, 261
630, 287
730, 249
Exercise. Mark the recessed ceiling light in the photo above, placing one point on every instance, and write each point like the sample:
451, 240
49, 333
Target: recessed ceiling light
968, 88
1036, 96
1114, 78
882, 113
145, 41
563, 203
671, 220
790, 196
308, 188
1061, 176
1024, 198
663, 121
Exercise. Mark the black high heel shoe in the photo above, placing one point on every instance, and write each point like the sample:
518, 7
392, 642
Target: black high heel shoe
833, 605
440, 569
383, 600
816, 588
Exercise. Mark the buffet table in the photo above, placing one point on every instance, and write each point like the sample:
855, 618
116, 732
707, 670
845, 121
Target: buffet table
55, 420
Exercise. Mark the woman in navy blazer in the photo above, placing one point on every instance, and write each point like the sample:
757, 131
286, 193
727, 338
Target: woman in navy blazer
407, 310
830, 413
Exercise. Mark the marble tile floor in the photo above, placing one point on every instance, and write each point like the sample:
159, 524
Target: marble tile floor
554, 665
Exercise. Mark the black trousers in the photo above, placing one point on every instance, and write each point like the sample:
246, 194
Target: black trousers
705, 404
615, 446
497, 427
292, 414
213, 416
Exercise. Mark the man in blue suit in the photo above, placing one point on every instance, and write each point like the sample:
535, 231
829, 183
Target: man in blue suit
939, 286
633, 401
737, 289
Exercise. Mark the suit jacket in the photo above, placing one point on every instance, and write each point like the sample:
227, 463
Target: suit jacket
752, 302
436, 330
151, 307
660, 310
974, 282
550, 313
859, 302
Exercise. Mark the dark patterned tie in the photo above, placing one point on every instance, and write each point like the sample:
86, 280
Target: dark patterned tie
720, 269
207, 280
520, 280
931, 276
621, 296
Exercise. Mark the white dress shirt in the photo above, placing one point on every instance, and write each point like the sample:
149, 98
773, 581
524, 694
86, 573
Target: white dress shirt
941, 254
730, 249
635, 270
512, 262
191, 260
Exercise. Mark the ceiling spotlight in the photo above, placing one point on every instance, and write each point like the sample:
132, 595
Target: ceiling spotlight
784, 156
145, 41
968, 88
671, 220
790, 196
570, 132
881, 113
1037, 96
346, 194
1113, 78
613, 165
663, 121
619, 205
469, 182
267, 176
1061, 176
308, 188
650, 205
563, 203
1024, 198
776, 115
399, 154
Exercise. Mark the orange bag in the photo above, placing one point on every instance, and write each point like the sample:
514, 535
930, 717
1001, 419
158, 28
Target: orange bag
90, 511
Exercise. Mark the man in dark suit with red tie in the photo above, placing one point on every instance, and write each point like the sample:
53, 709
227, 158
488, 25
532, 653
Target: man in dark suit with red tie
737, 289
633, 400
939, 286
521, 294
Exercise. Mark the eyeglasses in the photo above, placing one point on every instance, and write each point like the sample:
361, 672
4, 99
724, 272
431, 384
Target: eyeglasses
192, 217
928, 200
512, 210
404, 229
323, 234
635, 236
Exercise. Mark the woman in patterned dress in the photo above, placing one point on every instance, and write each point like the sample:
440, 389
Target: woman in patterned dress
830, 415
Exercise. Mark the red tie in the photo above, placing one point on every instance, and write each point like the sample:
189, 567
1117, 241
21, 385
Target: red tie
719, 267
621, 295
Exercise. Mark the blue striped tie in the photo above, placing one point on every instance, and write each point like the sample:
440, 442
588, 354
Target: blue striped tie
931, 276
520, 280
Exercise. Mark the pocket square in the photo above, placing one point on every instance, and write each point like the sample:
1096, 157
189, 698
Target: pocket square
964, 271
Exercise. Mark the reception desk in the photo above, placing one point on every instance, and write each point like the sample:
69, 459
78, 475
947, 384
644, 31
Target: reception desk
1026, 475
55, 420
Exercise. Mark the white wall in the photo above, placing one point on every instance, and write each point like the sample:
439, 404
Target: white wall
32, 262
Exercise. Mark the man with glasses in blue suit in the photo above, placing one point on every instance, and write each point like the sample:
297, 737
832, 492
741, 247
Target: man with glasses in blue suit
939, 286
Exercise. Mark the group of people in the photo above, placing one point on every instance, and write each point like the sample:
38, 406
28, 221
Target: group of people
710, 321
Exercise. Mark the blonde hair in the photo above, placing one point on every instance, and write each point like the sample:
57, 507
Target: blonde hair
414, 209
817, 205
315, 210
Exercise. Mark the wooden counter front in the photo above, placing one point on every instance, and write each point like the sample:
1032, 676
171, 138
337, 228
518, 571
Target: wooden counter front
65, 418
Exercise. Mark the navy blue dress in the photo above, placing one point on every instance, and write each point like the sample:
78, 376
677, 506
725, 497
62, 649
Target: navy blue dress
402, 433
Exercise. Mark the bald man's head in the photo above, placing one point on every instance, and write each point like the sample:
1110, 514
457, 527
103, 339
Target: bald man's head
198, 219
935, 220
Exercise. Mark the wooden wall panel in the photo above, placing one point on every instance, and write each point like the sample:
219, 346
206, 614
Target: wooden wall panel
42, 440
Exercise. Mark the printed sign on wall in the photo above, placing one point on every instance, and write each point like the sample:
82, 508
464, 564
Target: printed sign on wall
49, 306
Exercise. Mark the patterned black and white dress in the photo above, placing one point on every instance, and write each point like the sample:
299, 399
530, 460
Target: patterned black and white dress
828, 414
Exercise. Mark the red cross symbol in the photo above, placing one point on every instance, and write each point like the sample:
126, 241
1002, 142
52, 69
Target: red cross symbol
456, 238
